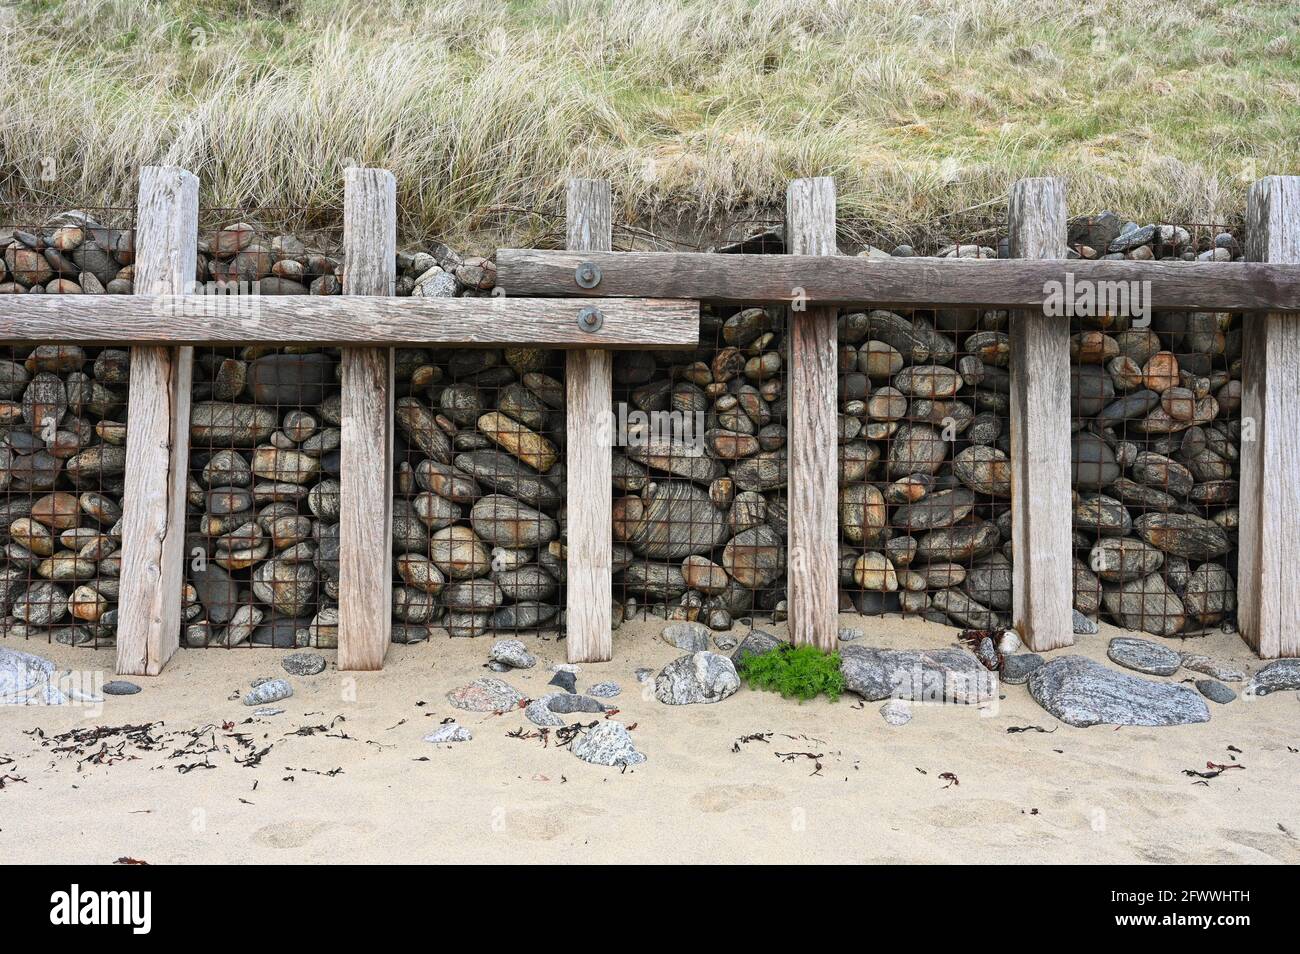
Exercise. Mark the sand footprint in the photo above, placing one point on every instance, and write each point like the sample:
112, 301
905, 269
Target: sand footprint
292, 834
720, 798
546, 824
296, 833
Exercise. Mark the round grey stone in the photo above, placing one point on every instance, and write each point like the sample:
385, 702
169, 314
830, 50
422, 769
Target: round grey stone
1215, 691
303, 664
896, 712
512, 653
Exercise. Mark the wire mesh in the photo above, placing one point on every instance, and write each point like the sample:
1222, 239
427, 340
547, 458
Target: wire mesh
925, 475
700, 469
62, 433
1156, 403
262, 535
479, 505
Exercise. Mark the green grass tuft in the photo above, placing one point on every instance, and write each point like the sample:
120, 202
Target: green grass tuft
802, 673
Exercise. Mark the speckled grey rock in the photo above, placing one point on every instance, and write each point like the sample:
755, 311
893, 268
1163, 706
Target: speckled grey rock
937, 675
1275, 677
643, 674
755, 643
608, 743
987, 653
268, 690
538, 712
1215, 691
1142, 655
1017, 669
690, 637
451, 732
486, 695
27, 679
1083, 626
120, 687
1206, 666
702, 677
897, 712
605, 690
849, 633
303, 664
512, 653
1082, 692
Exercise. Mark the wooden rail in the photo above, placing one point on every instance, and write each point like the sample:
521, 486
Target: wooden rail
344, 320
896, 282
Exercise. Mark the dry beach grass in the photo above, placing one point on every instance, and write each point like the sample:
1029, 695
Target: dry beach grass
882, 794
699, 112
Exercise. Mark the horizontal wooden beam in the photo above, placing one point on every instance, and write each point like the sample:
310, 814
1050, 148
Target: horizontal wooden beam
896, 282
243, 319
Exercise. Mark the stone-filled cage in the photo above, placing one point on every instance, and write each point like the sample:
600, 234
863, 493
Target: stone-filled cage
62, 432
702, 459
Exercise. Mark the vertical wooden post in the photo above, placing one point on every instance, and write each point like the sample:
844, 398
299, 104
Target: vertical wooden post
157, 432
588, 378
813, 565
1268, 582
366, 453
1042, 582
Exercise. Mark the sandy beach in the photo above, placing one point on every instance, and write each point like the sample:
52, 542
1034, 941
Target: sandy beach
348, 777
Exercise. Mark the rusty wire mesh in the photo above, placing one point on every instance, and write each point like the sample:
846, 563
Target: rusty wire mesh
265, 428
62, 433
1156, 401
700, 469
479, 492
925, 476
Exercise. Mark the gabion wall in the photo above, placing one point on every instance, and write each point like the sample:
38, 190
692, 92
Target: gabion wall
1156, 406
925, 478
62, 434
700, 497
700, 473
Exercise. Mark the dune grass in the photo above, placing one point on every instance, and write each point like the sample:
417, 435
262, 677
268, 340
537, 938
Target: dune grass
699, 112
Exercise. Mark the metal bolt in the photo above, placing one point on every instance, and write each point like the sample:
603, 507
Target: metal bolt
591, 319
587, 275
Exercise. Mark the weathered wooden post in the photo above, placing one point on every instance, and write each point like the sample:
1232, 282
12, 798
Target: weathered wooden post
1268, 579
588, 380
1042, 583
366, 453
157, 428
813, 477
